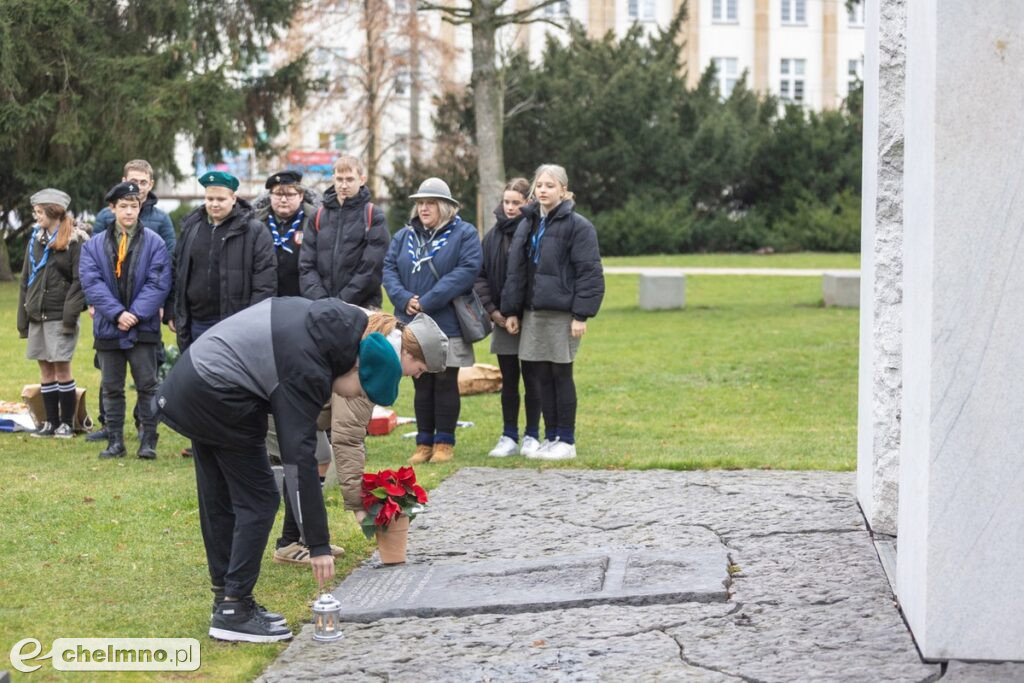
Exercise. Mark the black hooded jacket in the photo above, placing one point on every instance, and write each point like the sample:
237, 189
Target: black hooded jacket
567, 275
344, 257
496, 244
279, 357
247, 272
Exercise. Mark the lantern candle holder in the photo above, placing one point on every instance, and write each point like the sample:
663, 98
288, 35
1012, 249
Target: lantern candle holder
326, 618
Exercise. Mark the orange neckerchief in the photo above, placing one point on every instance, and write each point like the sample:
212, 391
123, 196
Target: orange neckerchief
122, 251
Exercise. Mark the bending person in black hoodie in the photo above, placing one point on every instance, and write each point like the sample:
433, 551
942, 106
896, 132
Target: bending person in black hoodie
284, 357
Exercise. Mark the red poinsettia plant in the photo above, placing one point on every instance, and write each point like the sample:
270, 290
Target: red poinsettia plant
388, 494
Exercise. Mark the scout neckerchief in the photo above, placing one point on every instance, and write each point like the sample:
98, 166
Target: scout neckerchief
122, 247
281, 241
416, 245
36, 267
535, 240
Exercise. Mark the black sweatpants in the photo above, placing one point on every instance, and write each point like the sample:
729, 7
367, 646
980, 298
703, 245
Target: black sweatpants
238, 498
238, 502
437, 405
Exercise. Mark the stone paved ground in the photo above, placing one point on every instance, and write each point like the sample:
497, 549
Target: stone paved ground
808, 599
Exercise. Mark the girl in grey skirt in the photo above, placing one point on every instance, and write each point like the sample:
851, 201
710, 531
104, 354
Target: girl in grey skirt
49, 303
555, 283
505, 346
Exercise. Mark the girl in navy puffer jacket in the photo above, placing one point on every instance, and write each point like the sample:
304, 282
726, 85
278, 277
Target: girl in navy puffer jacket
555, 283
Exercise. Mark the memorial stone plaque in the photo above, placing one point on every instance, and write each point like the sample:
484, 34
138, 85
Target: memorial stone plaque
507, 587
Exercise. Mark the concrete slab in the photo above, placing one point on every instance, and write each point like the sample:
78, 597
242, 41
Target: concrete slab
662, 291
502, 587
841, 289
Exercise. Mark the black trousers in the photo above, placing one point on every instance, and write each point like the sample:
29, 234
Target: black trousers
238, 497
510, 365
437, 405
554, 384
160, 358
238, 502
141, 358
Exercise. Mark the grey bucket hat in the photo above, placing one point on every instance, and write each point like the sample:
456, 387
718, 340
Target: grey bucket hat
434, 188
433, 341
51, 195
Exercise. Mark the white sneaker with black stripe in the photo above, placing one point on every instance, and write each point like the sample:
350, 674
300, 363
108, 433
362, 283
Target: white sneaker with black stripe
238, 621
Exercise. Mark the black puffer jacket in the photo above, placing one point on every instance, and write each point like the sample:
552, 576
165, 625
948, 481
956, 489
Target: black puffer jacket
344, 258
568, 274
56, 293
496, 244
248, 267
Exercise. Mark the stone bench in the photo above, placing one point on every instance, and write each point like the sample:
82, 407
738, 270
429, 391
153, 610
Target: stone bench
662, 291
841, 289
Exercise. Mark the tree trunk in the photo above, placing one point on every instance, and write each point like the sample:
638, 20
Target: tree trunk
373, 88
5, 263
415, 143
489, 102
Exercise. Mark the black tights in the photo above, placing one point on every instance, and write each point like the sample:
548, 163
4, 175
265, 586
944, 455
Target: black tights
509, 365
557, 390
437, 406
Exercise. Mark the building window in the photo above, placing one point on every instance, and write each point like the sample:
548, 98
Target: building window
724, 11
560, 9
791, 83
854, 74
855, 16
794, 11
649, 10
633, 9
727, 73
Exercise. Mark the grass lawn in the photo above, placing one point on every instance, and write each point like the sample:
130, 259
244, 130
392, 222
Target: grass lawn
755, 373
798, 260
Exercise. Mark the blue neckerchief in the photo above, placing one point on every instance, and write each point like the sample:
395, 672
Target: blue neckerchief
281, 241
535, 240
416, 245
34, 267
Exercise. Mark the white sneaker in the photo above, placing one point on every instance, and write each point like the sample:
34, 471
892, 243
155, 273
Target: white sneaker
505, 448
542, 448
558, 450
529, 447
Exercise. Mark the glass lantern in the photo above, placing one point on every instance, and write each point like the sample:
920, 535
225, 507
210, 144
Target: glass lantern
326, 615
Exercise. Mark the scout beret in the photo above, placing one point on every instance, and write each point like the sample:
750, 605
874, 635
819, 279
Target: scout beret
51, 196
432, 340
379, 369
219, 178
120, 190
283, 178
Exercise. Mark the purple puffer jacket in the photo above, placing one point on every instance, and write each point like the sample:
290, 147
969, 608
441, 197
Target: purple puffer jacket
151, 281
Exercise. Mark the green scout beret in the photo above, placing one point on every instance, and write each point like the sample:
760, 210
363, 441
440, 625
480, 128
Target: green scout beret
379, 369
211, 178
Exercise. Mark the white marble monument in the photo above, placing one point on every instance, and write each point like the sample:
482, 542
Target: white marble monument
960, 560
881, 264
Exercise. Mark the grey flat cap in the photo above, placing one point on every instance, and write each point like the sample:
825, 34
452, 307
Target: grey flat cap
434, 188
51, 196
433, 341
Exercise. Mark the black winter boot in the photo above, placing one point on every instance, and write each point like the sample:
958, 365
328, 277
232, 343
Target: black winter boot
147, 446
115, 446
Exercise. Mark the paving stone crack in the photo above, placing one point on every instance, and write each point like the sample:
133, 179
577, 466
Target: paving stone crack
689, 662
797, 532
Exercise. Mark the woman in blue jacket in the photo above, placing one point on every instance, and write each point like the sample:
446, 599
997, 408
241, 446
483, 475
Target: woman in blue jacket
555, 283
432, 260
